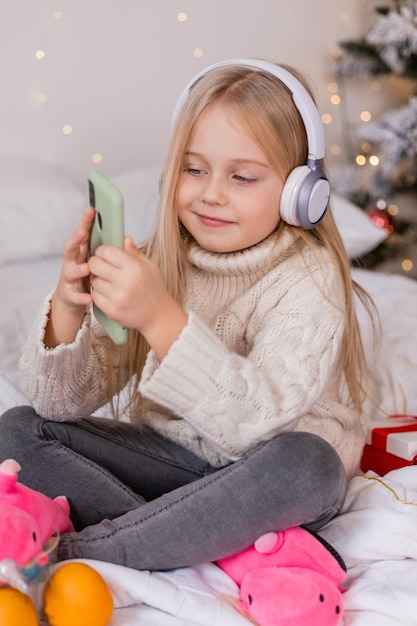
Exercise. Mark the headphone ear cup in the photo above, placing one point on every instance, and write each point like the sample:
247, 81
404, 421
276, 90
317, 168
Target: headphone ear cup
290, 194
305, 197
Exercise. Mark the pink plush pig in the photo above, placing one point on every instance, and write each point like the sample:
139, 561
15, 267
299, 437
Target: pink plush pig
290, 578
27, 518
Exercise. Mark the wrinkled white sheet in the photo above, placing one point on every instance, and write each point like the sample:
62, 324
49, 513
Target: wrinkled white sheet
376, 533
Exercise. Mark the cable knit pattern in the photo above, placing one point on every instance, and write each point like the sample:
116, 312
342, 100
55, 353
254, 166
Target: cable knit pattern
257, 358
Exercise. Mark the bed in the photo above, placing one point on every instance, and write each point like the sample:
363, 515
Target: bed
376, 532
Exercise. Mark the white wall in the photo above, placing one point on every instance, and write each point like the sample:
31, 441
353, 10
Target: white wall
113, 68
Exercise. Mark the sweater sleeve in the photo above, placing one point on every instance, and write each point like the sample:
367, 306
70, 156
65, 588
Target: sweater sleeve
237, 401
69, 381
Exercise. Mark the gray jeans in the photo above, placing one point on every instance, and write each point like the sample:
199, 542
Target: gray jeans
140, 500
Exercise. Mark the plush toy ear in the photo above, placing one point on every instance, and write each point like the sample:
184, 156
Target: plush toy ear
290, 596
269, 543
10, 467
9, 471
303, 548
62, 501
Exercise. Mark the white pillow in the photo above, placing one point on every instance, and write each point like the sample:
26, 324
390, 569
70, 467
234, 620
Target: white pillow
360, 235
39, 208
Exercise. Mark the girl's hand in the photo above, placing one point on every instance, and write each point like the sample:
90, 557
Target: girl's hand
72, 293
131, 290
73, 289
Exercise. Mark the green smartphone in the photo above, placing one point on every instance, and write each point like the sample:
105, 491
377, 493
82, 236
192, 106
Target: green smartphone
108, 228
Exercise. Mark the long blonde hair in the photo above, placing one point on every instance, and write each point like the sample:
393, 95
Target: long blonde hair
264, 105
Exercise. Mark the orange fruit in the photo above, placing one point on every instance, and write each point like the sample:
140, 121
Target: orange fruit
16, 608
77, 595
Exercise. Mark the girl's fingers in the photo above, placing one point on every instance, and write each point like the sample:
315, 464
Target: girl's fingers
81, 298
108, 256
87, 218
73, 272
79, 240
129, 246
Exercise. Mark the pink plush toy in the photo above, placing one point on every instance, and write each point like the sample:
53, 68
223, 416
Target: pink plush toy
290, 578
27, 518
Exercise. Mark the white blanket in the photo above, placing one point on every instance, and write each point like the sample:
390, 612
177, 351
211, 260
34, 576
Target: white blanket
376, 534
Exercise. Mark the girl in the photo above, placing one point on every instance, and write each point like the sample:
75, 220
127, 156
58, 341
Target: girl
244, 359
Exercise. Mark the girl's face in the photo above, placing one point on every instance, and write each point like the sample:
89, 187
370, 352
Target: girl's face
228, 195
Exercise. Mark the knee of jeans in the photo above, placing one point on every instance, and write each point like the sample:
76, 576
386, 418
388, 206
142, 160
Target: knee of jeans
316, 458
14, 423
326, 460
330, 471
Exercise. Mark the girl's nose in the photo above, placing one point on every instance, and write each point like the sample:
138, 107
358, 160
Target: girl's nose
214, 191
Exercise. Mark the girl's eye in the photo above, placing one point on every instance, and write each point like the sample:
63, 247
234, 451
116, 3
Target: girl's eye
194, 171
244, 179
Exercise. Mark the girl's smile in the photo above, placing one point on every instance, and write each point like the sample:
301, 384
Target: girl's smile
214, 222
229, 194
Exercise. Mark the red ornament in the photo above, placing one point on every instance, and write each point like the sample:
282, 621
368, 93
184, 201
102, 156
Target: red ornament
381, 218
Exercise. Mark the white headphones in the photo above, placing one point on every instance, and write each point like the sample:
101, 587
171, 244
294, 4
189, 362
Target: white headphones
306, 191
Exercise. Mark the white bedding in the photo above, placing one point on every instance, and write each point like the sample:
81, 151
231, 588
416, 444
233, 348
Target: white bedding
376, 532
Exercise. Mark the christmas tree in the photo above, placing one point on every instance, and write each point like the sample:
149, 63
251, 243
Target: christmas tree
385, 164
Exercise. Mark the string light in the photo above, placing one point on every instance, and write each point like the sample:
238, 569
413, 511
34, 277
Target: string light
197, 53
393, 210
326, 118
67, 129
335, 99
365, 116
40, 54
97, 158
182, 17
407, 265
360, 159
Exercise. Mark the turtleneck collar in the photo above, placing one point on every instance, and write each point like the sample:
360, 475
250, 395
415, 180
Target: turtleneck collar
254, 260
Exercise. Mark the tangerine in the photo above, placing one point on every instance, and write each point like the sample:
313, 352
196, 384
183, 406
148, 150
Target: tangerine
16, 608
77, 594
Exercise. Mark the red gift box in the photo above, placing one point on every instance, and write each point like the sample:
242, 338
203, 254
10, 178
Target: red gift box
391, 443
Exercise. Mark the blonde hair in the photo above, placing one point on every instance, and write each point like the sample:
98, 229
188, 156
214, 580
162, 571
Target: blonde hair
265, 107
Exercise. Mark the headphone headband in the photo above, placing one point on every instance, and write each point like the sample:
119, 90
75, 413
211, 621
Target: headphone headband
301, 97
305, 195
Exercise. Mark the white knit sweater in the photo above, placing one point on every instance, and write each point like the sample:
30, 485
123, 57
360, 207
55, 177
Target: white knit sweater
257, 358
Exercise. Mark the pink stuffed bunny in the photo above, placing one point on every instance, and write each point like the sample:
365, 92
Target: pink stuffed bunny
290, 578
27, 518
